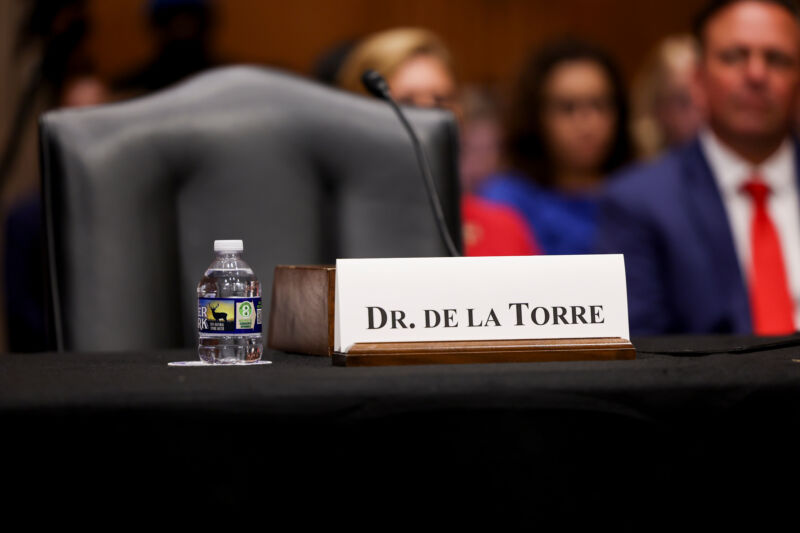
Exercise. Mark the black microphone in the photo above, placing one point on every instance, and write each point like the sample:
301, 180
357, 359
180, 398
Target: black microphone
377, 86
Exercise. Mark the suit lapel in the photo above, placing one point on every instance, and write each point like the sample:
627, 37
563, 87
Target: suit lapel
710, 220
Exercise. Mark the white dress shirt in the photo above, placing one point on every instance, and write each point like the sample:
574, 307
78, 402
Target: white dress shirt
779, 172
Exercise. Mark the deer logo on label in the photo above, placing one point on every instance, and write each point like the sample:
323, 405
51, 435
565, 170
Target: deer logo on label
219, 316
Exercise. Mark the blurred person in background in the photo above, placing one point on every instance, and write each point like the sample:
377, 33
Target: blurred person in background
711, 230
182, 30
566, 130
64, 77
415, 63
419, 70
64, 74
666, 107
481, 134
67, 72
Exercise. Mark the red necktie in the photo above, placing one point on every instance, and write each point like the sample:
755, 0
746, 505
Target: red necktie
770, 302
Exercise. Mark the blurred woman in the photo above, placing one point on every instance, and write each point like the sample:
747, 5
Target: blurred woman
415, 63
665, 102
566, 130
419, 70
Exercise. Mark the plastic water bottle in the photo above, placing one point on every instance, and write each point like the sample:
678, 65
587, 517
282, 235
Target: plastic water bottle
229, 308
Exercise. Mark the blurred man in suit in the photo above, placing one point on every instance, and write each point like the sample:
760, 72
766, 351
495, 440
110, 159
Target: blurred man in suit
711, 231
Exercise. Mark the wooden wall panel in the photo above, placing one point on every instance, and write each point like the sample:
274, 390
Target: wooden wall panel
489, 38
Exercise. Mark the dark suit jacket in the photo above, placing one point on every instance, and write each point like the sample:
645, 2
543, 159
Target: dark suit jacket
669, 221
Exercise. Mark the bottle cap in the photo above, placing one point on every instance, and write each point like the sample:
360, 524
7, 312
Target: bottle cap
229, 246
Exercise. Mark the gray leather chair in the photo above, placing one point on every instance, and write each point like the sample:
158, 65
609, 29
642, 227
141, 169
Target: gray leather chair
135, 194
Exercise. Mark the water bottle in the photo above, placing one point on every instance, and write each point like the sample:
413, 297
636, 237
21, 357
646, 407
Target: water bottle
229, 308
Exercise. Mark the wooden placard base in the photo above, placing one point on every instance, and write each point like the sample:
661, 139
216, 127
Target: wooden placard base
302, 321
301, 310
496, 351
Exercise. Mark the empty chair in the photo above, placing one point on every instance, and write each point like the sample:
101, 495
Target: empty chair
135, 194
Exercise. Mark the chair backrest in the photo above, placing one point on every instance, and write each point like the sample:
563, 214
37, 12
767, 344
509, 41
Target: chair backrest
135, 194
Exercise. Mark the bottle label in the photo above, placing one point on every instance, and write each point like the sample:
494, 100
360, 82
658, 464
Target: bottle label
230, 316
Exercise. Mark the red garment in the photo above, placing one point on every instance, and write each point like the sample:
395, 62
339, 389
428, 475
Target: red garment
770, 301
492, 229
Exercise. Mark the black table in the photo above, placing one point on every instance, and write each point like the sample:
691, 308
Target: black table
699, 431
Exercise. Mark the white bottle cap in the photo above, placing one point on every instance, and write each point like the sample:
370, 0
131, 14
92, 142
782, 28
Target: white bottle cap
229, 246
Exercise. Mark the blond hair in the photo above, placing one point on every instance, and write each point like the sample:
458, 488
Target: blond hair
386, 51
673, 54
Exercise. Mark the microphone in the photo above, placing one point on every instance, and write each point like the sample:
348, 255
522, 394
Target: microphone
377, 86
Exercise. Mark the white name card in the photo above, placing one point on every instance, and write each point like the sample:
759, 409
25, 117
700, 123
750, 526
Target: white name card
479, 298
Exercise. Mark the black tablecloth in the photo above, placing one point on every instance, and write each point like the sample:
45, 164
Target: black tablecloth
696, 431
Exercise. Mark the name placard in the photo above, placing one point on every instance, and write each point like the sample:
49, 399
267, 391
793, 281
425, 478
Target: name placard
479, 298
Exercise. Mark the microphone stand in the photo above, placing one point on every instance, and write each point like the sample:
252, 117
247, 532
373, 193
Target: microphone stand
377, 86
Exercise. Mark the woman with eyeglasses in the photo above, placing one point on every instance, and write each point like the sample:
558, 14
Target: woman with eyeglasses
565, 132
